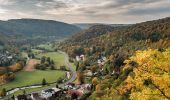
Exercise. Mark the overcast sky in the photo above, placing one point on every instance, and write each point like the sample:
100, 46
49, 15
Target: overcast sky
86, 11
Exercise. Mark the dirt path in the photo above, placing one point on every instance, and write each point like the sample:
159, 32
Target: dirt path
30, 65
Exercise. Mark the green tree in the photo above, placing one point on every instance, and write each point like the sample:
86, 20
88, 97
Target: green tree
44, 82
43, 59
3, 92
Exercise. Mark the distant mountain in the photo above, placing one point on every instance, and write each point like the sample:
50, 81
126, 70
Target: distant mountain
88, 25
36, 27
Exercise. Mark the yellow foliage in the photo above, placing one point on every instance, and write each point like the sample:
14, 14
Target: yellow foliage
151, 79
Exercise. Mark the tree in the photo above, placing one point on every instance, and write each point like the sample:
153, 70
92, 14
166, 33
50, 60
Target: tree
52, 62
3, 92
63, 68
44, 82
95, 81
138, 36
43, 59
52, 67
150, 75
48, 60
78, 51
77, 66
24, 92
154, 37
80, 77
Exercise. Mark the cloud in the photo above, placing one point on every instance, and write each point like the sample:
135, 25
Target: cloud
107, 11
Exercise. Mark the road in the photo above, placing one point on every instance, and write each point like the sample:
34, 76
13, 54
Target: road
74, 75
73, 72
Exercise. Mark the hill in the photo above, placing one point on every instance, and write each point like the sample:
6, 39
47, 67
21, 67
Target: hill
119, 56
92, 32
146, 34
88, 25
37, 27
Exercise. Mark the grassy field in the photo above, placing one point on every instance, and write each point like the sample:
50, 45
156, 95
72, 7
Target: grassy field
46, 46
29, 78
24, 78
56, 56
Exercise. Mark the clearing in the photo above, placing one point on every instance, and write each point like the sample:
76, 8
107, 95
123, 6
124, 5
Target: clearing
31, 64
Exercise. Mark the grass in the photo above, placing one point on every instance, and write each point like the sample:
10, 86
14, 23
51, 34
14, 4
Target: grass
74, 66
24, 78
36, 51
29, 78
46, 46
24, 54
56, 56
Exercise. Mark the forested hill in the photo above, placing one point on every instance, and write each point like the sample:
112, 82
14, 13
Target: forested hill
92, 32
136, 62
33, 27
108, 40
88, 25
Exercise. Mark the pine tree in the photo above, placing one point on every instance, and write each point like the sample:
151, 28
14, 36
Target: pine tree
44, 82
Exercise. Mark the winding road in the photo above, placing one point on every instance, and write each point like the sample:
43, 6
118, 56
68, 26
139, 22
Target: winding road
74, 75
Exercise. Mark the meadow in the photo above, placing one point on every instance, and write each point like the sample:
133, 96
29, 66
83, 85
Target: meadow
24, 78
56, 56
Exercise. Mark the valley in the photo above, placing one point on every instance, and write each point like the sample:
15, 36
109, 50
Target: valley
106, 62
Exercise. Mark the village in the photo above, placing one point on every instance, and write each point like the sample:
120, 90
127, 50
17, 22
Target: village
6, 58
67, 89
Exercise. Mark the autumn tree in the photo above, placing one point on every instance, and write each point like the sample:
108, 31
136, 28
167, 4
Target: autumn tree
80, 77
150, 79
3, 92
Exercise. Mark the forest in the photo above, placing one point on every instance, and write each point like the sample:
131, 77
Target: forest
137, 60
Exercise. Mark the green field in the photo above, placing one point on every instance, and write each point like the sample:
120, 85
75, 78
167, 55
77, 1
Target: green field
24, 78
46, 46
29, 78
56, 56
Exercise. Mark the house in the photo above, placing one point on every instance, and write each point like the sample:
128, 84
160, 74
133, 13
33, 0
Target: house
68, 75
77, 58
47, 93
56, 89
81, 57
102, 60
21, 97
36, 96
74, 94
85, 88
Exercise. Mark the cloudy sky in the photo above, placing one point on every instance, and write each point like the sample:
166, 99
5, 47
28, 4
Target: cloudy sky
86, 11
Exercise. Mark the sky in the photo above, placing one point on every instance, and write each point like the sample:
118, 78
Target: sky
86, 11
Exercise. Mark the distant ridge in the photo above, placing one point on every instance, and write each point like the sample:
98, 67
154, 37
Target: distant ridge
88, 25
34, 27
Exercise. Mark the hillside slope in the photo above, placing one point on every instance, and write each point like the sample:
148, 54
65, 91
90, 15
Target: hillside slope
33, 27
134, 37
144, 45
